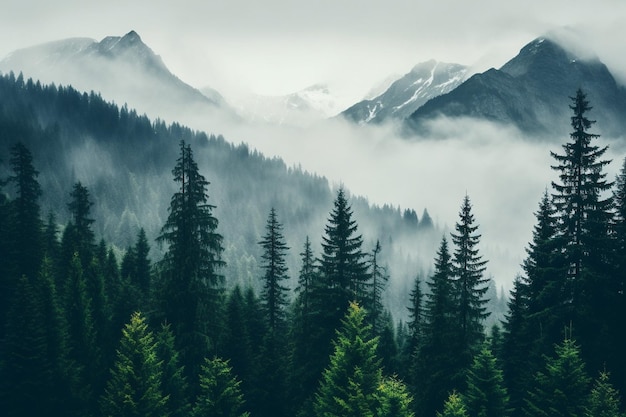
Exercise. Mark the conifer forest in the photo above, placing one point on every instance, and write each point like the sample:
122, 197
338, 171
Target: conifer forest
166, 327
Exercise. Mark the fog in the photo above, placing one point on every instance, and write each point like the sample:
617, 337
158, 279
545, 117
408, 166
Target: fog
503, 172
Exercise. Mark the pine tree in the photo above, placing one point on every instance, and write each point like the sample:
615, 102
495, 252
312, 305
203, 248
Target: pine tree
342, 279
471, 286
604, 400
453, 407
379, 279
274, 293
562, 388
28, 226
237, 346
584, 222
619, 195
437, 368
134, 388
342, 265
416, 318
27, 374
303, 377
306, 278
191, 283
349, 385
173, 382
79, 234
485, 395
220, 394
84, 350
142, 264
517, 346
395, 399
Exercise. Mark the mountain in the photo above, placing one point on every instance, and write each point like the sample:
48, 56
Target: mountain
531, 91
425, 81
301, 108
125, 160
123, 69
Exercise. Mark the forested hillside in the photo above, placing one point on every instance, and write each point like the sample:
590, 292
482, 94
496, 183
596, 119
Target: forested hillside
96, 322
124, 159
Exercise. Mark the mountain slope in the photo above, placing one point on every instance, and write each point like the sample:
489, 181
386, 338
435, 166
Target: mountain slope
123, 69
531, 92
125, 160
404, 96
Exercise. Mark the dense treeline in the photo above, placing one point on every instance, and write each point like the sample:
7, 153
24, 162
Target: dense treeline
89, 331
124, 159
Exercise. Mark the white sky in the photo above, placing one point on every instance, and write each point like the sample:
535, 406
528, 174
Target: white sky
281, 46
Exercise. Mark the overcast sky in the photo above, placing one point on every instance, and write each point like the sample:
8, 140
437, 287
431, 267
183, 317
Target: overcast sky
281, 46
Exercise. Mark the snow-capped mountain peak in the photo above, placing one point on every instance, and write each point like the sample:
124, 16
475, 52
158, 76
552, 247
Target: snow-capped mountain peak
425, 81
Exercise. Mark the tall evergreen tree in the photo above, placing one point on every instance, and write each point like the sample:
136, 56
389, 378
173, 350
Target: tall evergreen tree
134, 388
143, 266
191, 283
485, 395
395, 399
28, 226
173, 382
471, 285
303, 377
454, 407
343, 267
416, 318
584, 220
562, 388
378, 283
27, 374
619, 195
220, 394
79, 234
604, 400
437, 369
350, 383
274, 293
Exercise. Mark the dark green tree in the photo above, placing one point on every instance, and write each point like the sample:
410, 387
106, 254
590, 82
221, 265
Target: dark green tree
619, 195
453, 407
395, 399
378, 284
583, 235
28, 226
173, 381
350, 384
191, 284
83, 349
604, 400
78, 235
562, 388
342, 265
27, 374
274, 292
485, 394
220, 394
517, 345
143, 265
302, 376
237, 346
342, 279
437, 370
134, 388
470, 284
416, 318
